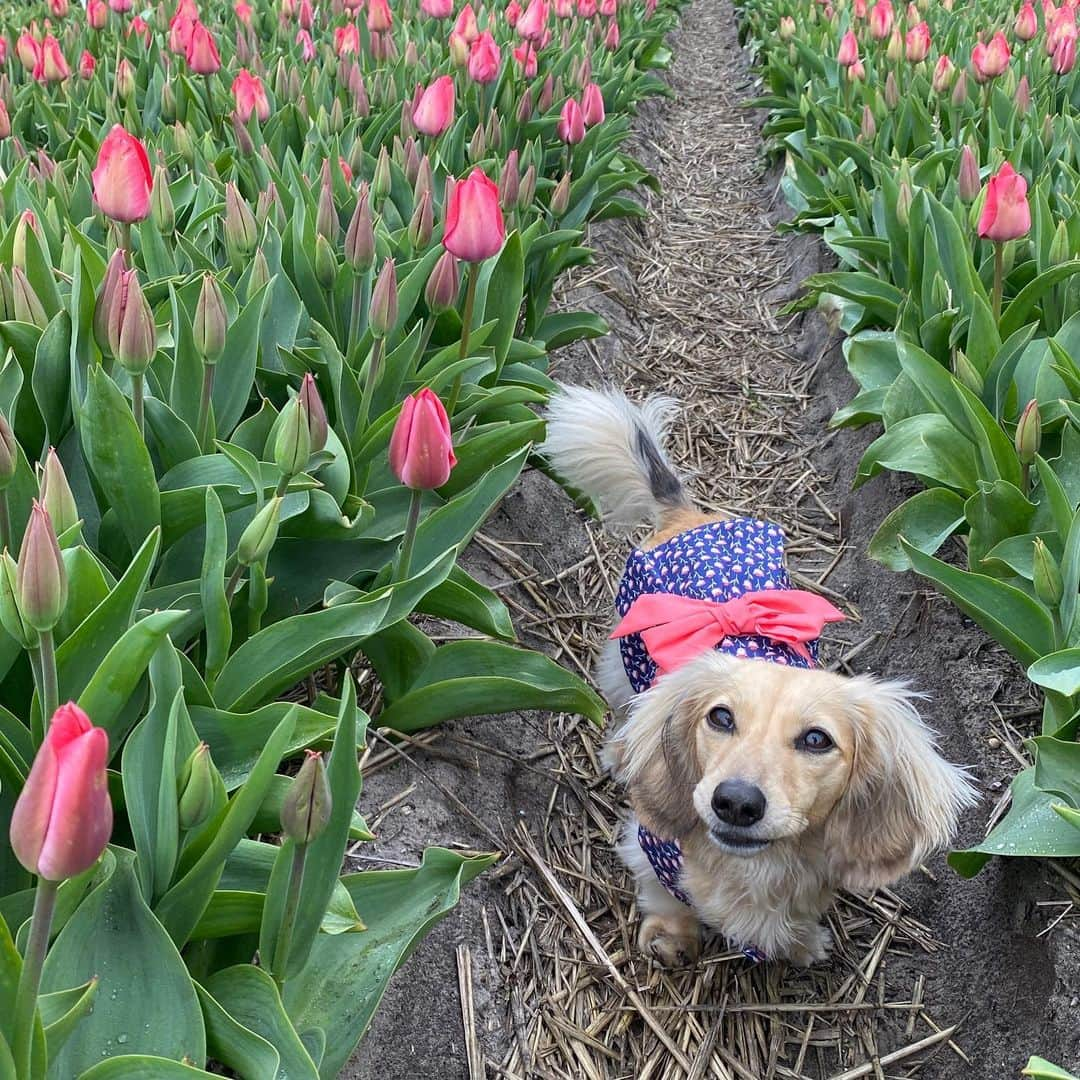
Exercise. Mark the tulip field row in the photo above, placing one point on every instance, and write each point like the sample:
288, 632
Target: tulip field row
275, 313
935, 149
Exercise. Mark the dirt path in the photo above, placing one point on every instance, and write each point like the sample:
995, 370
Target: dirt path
690, 293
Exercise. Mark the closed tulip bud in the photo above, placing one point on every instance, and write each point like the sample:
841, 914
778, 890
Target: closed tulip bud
478, 144
241, 236
161, 205
892, 92
895, 49
184, 146
380, 181
787, 28
292, 447
421, 447
944, 73
196, 788
527, 191
424, 179
1029, 433
903, 203
1047, 131
547, 96
960, 90
56, 495
326, 218
258, 539
27, 222
9, 453
412, 162
305, 811
384, 301
868, 129
442, 287
106, 297
326, 264
63, 818
360, 236
1046, 577
421, 224
560, 197
968, 184
525, 108
132, 334
11, 616
1022, 96
211, 321
509, 182
268, 208
967, 373
41, 580
259, 276
28, 308
124, 80
314, 410
1059, 246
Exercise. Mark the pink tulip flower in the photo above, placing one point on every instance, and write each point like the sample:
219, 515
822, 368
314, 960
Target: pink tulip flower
1006, 214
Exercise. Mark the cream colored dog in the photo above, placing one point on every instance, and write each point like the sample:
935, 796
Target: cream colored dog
757, 789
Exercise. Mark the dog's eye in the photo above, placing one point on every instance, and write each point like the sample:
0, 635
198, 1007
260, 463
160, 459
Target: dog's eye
815, 740
721, 719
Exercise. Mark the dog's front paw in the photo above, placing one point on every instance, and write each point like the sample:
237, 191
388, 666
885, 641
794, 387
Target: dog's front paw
813, 945
675, 941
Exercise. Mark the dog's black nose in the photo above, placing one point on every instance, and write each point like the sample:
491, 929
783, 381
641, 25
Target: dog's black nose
735, 802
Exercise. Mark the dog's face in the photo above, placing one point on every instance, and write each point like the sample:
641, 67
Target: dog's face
761, 756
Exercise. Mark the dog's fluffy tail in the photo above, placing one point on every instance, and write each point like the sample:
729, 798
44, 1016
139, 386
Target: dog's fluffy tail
613, 451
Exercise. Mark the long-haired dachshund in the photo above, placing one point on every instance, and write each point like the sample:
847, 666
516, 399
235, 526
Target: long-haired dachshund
759, 784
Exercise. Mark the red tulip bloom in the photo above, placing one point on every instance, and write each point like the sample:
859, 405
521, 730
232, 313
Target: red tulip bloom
87, 63
474, 223
512, 13
434, 112
97, 14
991, 60
51, 65
466, 25
1006, 214
571, 126
421, 446
59, 8
586, 9
63, 817
592, 105
250, 96
533, 22
485, 59
180, 30
881, 20
917, 43
243, 11
307, 46
1064, 58
120, 6
202, 51
848, 52
27, 50
1026, 25
122, 178
611, 38
379, 19
944, 72
525, 55
346, 39
437, 9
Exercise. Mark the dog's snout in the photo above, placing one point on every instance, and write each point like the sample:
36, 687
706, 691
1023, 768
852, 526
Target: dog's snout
736, 802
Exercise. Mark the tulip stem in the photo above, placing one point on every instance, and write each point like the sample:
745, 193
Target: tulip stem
5, 521
371, 378
288, 917
999, 274
257, 597
124, 228
409, 539
50, 692
30, 978
466, 327
204, 405
357, 310
138, 388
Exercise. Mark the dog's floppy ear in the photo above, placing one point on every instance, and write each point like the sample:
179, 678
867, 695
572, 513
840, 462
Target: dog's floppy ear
654, 754
903, 798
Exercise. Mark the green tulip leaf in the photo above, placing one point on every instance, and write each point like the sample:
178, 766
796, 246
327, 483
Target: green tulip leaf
925, 521
237, 1047
141, 1067
1041, 1069
398, 907
61, 1013
1060, 672
145, 1003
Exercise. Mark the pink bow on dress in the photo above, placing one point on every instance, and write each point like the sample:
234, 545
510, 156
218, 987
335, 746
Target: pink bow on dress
676, 629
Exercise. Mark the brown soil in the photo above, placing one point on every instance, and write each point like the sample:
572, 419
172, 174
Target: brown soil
690, 293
